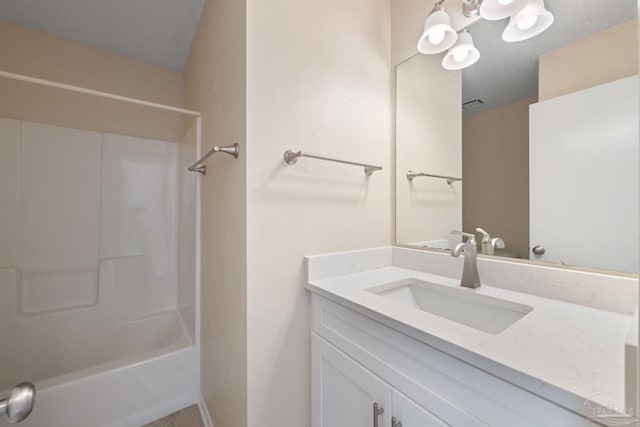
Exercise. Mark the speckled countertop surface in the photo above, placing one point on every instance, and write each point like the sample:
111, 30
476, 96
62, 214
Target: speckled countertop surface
566, 352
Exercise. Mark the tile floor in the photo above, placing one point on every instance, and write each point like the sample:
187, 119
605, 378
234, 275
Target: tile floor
187, 417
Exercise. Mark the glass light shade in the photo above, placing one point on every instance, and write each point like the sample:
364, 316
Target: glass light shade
529, 21
462, 54
438, 34
494, 10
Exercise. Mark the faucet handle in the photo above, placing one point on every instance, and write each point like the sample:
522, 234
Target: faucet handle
471, 238
486, 238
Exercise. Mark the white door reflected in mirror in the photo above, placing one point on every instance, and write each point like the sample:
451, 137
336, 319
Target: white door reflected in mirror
583, 169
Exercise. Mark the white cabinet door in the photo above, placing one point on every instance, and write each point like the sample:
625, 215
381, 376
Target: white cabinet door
411, 414
343, 392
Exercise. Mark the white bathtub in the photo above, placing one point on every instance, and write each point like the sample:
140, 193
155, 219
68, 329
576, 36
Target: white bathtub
99, 365
157, 378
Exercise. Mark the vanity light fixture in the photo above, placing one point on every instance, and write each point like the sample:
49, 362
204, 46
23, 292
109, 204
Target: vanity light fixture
529, 21
527, 18
462, 54
438, 35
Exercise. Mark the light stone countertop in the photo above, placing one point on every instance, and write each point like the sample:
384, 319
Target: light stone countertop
565, 352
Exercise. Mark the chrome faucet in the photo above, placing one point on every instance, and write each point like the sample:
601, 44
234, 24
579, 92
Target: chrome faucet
470, 276
489, 245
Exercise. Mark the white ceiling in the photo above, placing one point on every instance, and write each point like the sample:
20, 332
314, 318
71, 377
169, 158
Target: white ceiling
155, 31
508, 72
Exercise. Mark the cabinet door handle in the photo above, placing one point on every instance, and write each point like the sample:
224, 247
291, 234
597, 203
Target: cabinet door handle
377, 411
395, 422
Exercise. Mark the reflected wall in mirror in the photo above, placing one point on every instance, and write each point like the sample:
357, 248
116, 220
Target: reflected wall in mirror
548, 156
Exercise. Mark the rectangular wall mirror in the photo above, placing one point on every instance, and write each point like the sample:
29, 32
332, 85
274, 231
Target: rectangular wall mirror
536, 143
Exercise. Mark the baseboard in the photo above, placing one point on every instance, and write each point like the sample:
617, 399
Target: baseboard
204, 413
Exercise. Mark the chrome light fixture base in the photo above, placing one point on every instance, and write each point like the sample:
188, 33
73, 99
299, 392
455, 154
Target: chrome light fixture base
471, 8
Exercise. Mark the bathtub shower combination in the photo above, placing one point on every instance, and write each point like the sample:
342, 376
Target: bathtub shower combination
97, 274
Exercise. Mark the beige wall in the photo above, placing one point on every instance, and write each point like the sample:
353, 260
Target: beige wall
609, 55
318, 77
215, 85
325, 91
428, 139
37, 54
495, 161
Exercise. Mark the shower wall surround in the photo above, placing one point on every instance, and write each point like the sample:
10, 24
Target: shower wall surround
83, 209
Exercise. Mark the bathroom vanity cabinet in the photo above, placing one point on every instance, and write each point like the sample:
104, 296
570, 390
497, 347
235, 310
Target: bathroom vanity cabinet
351, 395
392, 327
358, 362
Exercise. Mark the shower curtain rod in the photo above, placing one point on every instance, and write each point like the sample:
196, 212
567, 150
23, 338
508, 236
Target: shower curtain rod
97, 93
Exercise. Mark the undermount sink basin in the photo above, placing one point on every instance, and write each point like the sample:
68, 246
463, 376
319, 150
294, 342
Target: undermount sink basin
461, 305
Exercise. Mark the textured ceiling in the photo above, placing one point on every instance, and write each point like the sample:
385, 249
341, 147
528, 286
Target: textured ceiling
155, 31
508, 72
